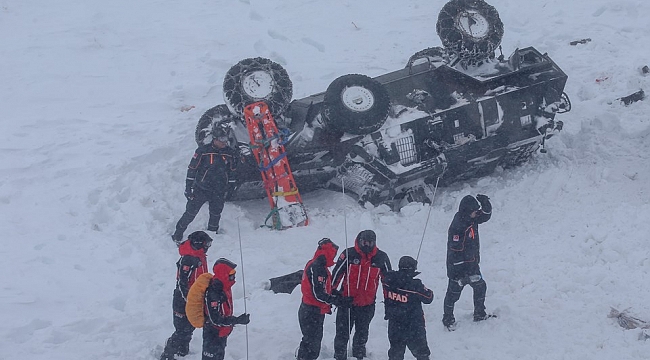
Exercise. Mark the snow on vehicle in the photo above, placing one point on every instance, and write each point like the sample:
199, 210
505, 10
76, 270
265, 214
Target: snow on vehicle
453, 113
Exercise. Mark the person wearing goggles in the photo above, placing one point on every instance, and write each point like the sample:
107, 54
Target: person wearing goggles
218, 307
192, 263
210, 177
358, 271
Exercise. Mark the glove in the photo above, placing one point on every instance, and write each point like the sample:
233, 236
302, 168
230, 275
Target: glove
342, 301
463, 281
189, 193
242, 319
482, 198
485, 203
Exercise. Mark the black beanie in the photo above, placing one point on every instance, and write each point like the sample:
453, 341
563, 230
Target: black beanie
370, 236
468, 205
408, 263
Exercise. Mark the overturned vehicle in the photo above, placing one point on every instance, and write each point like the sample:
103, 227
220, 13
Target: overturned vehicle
453, 113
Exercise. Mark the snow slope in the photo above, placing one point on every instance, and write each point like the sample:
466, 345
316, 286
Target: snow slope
98, 104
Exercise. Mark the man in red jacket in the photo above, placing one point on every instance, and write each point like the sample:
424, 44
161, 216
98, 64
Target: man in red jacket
358, 271
317, 299
190, 266
218, 308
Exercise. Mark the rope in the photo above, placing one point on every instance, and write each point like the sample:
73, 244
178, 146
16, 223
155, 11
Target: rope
428, 215
243, 280
276, 224
347, 271
282, 135
273, 162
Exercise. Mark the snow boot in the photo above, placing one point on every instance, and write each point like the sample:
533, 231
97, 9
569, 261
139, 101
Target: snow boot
167, 355
483, 316
183, 349
449, 321
177, 237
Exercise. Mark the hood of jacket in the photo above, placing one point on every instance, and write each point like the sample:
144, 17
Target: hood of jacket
468, 205
222, 270
186, 249
328, 251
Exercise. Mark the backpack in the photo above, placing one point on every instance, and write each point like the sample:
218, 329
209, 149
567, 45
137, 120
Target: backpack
194, 305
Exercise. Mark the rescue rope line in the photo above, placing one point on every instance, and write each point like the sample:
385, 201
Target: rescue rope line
428, 215
243, 280
347, 270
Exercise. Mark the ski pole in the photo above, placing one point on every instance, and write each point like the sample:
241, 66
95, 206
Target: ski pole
243, 280
428, 215
347, 267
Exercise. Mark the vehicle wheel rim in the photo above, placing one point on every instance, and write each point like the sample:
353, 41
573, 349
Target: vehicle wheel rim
357, 98
258, 84
473, 24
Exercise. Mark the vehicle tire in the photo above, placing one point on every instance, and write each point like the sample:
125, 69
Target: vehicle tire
470, 29
217, 114
356, 104
434, 54
257, 79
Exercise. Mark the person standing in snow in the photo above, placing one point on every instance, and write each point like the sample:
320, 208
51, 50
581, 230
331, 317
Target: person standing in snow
463, 257
210, 176
218, 308
358, 271
403, 299
192, 263
317, 299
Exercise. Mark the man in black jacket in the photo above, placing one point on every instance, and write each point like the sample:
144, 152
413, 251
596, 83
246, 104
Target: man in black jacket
403, 299
463, 257
210, 176
358, 271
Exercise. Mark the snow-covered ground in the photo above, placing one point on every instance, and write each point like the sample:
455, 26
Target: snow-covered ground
98, 104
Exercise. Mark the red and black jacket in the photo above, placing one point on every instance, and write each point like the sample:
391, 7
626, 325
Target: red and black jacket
359, 274
211, 168
189, 267
463, 246
316, 284
218, 299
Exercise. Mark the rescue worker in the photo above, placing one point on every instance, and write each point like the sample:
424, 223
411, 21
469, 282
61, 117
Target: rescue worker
463, 257
210, 176
192, 263
218, 308
317, 299
403, 299
358, 271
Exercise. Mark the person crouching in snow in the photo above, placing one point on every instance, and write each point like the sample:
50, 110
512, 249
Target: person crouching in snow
317, 299
218, 309
192, 263
403, 299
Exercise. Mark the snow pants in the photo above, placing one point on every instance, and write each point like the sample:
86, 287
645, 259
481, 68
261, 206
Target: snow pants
358, 317
215, 202
214, 347
179, 342
454, 290
311, 326
407, 333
